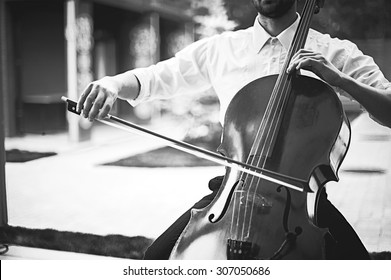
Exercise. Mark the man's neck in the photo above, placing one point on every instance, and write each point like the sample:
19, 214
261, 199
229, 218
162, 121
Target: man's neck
275, 26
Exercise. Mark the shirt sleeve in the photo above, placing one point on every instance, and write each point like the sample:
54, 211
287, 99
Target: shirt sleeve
364, 69
185, 73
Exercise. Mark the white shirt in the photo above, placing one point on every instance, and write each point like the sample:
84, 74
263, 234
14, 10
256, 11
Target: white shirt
227, 62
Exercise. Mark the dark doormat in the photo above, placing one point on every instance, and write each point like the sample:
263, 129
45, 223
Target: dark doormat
385, 255
16, 155
110, 245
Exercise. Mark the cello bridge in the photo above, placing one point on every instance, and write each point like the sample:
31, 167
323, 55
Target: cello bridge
238, 250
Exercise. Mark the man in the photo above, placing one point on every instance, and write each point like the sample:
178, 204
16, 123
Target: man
226, 63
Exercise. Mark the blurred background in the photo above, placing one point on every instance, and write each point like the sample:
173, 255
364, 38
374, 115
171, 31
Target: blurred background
50, 49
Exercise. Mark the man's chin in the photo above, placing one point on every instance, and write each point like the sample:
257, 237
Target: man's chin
274, 9
272, 15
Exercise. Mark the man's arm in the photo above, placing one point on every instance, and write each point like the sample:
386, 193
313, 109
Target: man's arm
376, 101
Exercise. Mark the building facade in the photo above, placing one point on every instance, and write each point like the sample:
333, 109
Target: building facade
55, 48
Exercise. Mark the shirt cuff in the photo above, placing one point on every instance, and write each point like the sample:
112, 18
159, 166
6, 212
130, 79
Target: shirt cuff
144, 79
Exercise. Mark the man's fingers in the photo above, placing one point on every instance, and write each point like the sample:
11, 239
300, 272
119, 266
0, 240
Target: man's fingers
304, 64
97, 105
104, 110
307, 61
89, 101
302, 53
83, 96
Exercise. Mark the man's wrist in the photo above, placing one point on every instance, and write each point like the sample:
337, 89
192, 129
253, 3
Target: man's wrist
345, 82
129, 86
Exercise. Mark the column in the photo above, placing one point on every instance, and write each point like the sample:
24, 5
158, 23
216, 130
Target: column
3, 197
79, 40
145, 51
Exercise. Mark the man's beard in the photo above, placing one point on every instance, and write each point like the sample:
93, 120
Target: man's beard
273, 9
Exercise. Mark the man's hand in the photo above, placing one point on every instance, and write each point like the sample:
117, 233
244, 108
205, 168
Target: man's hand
318, 64
98, 98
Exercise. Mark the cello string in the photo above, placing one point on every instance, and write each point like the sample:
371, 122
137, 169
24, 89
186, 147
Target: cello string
298, 44
238, 195
284, 84
286, 87
245, 177
283, 88
279, 84
261, 135
287, 83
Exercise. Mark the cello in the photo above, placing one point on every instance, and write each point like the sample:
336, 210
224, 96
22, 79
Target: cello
291, 125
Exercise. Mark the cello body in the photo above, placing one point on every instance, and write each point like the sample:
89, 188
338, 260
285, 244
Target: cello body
251, 218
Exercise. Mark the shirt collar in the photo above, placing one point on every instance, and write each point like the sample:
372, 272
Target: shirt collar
261, 36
